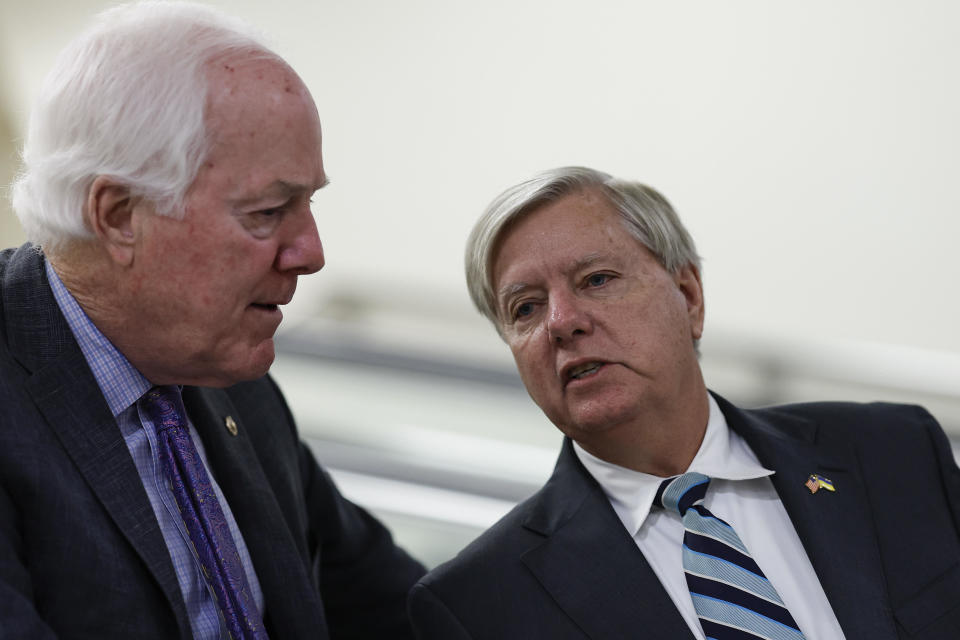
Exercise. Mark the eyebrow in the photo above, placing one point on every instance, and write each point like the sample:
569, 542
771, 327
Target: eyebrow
281, 189
586, 261
510, 289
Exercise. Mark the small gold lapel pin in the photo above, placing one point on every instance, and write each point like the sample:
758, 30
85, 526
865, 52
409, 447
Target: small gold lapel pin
815, 483
231, 425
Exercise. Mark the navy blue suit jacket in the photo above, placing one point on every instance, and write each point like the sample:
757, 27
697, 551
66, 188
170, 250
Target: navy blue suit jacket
81, 553
885, 545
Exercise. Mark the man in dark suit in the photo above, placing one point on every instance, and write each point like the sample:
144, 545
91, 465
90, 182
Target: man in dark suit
672, 513
152, 483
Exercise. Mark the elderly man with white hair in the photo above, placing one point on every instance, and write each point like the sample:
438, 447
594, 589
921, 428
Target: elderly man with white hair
673, 514
152, 483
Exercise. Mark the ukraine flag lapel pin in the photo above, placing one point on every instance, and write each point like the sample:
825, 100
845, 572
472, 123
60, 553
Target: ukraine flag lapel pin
816, 482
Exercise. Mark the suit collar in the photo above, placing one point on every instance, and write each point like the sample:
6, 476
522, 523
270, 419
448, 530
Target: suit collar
590, 565
65, 392
292, 605
36, 331
836, 528
596, 573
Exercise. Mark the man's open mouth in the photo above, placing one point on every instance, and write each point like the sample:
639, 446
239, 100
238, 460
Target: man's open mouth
584, 370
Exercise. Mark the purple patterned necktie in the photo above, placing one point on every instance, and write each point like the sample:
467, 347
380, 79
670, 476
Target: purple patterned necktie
202, 515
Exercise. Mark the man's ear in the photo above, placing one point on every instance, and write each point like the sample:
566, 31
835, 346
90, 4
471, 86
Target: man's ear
688, 281
109, 216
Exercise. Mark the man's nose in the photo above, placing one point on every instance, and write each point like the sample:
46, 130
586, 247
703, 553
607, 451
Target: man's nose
303, 252
567, 317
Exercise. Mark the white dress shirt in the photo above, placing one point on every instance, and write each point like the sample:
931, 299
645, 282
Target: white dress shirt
741, 494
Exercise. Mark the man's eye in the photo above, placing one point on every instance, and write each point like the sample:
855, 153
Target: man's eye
523, 309
598, 279
262, 222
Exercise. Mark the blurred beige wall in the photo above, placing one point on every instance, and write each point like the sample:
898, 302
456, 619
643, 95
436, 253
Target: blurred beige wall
812, 149
10, 232
11, 128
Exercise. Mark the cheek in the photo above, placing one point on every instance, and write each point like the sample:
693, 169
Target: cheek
136, 284
524, 355
536, 370
218, 274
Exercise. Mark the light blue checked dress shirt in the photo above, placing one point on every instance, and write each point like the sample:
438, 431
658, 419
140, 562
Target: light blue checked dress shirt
122, 386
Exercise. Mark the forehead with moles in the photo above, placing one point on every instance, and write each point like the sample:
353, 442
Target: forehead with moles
250, 102
251, 85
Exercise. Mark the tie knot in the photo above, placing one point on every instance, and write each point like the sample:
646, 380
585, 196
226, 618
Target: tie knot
165, 407
682, 492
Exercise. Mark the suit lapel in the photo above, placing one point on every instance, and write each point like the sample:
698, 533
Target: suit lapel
836, 528
293, 607
591, 566
67, 395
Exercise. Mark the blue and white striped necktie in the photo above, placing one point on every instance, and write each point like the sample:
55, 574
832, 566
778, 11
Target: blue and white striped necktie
730, 594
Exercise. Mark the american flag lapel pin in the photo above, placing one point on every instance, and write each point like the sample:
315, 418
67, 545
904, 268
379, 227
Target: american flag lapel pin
816, 482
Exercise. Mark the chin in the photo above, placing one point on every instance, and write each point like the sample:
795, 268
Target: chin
597, 419
256, 369
255, 365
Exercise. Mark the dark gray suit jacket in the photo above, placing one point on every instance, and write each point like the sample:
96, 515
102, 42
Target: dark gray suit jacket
81, 553
885, 545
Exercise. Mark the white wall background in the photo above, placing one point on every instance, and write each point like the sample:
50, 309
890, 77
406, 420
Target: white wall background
813, 149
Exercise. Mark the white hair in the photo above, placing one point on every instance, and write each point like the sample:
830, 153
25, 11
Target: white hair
646, 215
126, 99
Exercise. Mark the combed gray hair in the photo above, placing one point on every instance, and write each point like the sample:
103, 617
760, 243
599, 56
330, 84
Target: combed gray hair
125, 99
646, 215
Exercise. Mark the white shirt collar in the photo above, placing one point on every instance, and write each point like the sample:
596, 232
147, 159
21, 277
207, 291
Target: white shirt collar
722, 454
